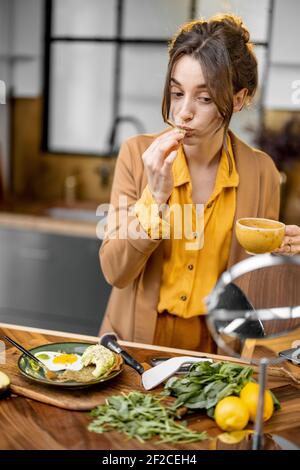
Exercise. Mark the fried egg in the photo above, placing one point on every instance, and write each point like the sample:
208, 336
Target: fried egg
60, 361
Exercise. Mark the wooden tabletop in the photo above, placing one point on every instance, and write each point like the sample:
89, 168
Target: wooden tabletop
29, 424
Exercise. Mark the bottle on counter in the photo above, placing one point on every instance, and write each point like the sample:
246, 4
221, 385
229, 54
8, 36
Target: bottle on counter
70, 189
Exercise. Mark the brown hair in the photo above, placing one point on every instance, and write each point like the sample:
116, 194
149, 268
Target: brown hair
221, 45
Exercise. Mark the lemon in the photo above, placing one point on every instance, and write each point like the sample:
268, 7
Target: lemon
234, 437
4, 382
249, 394
231, 414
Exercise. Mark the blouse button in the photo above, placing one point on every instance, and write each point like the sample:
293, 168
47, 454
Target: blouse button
183, 297
209, 205
190, 267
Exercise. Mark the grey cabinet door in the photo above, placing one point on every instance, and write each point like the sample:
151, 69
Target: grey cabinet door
51, 281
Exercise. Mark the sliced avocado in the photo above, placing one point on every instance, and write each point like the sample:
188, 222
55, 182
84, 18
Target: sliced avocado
43, 356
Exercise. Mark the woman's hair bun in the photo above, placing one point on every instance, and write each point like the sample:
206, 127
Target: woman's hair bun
245, 34
235, 23
240, 28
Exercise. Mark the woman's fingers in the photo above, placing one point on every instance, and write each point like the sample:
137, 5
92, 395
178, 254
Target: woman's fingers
162, 144
291, 242
154, 161
158, 160
168, 163
171, 157
292, 231
288, 250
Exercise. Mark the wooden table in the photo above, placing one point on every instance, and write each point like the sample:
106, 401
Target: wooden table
28, 424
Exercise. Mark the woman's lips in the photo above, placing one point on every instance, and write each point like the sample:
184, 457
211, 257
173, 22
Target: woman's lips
187, 131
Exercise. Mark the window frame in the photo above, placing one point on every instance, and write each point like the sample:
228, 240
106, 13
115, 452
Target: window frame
119, 41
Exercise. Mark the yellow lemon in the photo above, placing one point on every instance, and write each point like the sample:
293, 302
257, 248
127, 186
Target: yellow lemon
4, 382
249, 395
234, 437
231, 414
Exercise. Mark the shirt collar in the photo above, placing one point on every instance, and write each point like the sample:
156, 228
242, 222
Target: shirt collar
225, 178
181, 173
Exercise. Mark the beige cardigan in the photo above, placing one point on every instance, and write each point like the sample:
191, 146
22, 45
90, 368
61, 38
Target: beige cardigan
133, 266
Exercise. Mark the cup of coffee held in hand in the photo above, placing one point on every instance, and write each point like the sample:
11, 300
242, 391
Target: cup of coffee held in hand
258, 235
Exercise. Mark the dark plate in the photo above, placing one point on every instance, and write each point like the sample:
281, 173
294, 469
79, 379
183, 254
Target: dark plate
37, 375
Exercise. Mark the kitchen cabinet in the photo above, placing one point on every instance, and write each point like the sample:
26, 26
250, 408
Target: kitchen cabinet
51, 281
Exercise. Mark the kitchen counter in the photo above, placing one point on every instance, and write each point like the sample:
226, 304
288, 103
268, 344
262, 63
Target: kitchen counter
40, 223
49, 217
28, 424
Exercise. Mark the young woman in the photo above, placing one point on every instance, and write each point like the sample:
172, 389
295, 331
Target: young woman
159, 282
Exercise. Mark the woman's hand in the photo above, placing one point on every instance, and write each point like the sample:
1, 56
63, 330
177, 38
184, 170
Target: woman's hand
291, 242
158, 160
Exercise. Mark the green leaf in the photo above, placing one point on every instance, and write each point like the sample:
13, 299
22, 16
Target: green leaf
276, 402
207, 383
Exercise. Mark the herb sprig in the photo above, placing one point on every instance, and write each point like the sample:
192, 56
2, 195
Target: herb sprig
142, 416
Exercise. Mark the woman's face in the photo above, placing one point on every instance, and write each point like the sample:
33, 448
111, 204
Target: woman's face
191, 106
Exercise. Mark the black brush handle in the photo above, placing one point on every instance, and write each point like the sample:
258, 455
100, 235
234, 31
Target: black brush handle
109, 340
132, 362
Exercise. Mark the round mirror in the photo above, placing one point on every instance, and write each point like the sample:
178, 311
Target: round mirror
258, 298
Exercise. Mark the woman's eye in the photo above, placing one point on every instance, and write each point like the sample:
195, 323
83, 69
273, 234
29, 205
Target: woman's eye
205, 99
176, 94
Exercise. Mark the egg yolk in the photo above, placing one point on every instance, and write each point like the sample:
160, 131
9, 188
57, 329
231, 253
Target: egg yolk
65, 359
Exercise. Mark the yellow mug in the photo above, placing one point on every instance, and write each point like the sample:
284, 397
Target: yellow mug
258, 235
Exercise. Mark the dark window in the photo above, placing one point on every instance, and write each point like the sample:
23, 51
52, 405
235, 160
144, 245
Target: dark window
105, 64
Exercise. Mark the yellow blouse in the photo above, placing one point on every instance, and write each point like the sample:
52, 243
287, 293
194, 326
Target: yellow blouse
194, 261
